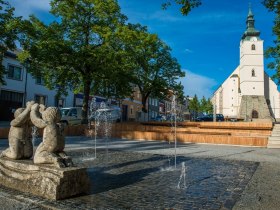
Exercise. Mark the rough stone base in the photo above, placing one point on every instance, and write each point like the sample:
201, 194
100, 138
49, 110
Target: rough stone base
257, 103
43, 180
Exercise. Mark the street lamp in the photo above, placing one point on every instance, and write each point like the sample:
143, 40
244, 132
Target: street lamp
26, 66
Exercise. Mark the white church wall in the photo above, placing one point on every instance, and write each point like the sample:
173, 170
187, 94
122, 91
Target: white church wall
216, 99
226, 97
231, 97
274, 98
251, 68
252, 88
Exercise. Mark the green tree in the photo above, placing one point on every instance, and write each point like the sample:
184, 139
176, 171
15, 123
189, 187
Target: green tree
79, 50
8, 32
274, 52
209, 106
203, 105
155, 71
194, 106
185, 5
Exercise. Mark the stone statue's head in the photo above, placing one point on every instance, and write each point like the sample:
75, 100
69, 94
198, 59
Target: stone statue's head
51, 114
18, 112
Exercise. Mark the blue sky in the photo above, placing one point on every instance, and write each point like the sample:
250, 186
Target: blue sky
206, 42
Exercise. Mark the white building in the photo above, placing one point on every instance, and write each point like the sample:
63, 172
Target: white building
22, 86
249, 93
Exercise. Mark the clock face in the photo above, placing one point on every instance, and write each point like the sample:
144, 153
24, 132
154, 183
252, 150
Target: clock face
253, 39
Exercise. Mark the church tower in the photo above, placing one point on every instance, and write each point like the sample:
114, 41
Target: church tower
249, 93
251, 73
251, 69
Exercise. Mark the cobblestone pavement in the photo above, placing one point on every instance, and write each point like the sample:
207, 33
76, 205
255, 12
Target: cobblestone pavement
135, 175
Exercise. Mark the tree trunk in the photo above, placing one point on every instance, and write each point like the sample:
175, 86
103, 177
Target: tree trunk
87, 84
144, 99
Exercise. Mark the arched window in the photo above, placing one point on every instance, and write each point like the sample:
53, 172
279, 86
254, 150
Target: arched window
253, 73
253, 47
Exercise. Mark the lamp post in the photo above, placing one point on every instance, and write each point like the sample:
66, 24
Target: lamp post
26, 66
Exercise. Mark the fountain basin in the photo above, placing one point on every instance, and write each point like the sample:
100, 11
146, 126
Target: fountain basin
43, 180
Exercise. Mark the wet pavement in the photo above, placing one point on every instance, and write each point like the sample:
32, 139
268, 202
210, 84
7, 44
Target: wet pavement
137, 175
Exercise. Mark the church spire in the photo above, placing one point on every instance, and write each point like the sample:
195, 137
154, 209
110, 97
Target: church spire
250, 13
250, 22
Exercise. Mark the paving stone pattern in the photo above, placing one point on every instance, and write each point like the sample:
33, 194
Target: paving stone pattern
130, 180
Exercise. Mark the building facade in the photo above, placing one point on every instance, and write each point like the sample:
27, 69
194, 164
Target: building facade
249, 93
22, 87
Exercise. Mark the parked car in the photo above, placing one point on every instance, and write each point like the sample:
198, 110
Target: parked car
160, 118
113, 113
210, 118
71, 115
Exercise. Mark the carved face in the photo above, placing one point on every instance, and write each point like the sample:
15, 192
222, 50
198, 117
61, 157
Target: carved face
51, 114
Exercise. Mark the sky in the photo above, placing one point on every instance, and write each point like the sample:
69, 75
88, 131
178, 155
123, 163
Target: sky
205, 43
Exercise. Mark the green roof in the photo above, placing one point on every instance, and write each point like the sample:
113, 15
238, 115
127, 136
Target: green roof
250, 31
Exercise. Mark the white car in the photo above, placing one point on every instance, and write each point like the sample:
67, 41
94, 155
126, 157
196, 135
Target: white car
71, 115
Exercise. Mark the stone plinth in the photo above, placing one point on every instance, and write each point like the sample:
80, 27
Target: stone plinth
42, 180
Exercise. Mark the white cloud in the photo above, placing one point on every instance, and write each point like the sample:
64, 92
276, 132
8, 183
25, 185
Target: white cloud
28, 7
188, 51
198, 84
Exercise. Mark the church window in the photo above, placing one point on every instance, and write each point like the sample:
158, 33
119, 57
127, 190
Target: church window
253, 47
253, 73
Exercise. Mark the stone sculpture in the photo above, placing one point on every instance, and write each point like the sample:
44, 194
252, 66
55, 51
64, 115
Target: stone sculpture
20, 144
41, 178
50, 151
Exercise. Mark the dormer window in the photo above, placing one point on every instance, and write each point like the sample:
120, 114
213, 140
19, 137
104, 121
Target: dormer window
253, 47
253, 73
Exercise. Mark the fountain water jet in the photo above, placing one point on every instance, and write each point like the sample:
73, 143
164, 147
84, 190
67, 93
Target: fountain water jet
102, 115
182, 179
103, 123
174, 127
34, 134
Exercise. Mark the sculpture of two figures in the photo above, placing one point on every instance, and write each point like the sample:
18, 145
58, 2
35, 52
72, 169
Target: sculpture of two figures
50, 150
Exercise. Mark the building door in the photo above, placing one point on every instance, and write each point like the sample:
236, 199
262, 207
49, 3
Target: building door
255, 114
9, 102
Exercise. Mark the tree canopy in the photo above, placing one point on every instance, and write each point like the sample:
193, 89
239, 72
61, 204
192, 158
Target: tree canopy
194, 105
92, 49
154, 70
273, 52
8, 32
185, 5
78, 49
200, 106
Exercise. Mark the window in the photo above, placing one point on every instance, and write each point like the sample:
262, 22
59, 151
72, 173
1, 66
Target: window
253, 73
253, 47
11, 96
40, 99
73, 113
14, 72
39, 81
